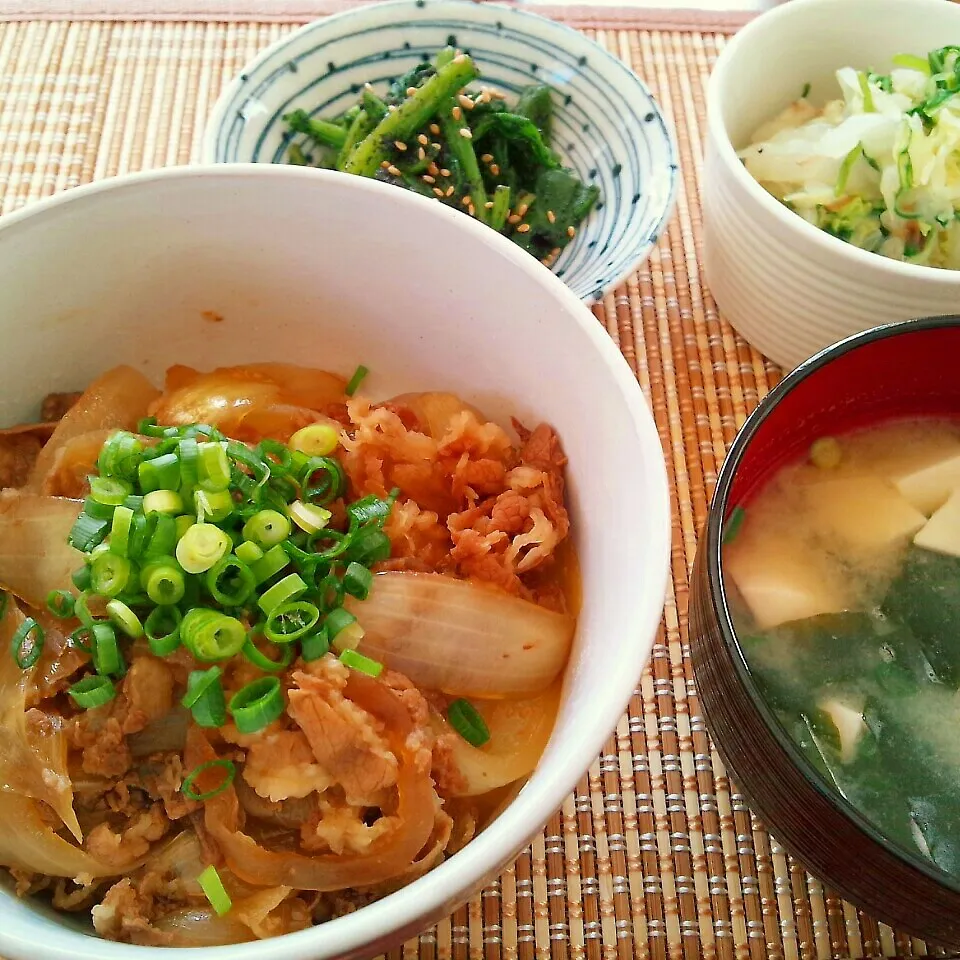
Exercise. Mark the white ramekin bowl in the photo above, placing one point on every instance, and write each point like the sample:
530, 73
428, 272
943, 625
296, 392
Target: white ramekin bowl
789, 288
327, 270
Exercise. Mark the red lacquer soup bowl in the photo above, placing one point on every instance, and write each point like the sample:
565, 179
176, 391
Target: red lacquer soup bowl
891, 372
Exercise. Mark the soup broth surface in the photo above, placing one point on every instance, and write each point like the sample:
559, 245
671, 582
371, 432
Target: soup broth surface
843, 577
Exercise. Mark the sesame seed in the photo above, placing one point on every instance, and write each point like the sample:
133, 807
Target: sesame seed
487, 158
438, 191
436, 146
400, 145
471, 210
571, 232
465, 201
466, 133
523, 228
393, 171
392, 108
435, 129
385, 164
522, 209
484, 96
489, 204
434, 170
513, 218
551, 216
495, 169
465, 101
444, 172
423, 139
456, 113
426, 178
421, 153
555, 252
411, 91
449, 192
459, 58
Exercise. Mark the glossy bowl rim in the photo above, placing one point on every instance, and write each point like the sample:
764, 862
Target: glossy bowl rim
741, 46
411, 906
712, 542
217, 116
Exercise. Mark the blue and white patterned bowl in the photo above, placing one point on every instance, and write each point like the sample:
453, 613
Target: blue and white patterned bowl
607, 127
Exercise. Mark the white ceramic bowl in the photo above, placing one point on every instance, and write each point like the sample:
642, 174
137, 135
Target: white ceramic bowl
123, 270
607, 126
789, 288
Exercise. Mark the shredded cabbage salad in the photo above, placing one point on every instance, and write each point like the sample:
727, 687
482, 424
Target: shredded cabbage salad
879, 167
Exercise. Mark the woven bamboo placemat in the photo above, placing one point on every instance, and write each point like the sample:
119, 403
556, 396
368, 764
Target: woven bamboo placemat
654, 854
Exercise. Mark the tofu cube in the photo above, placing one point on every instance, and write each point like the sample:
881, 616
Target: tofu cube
928, 484
942, 531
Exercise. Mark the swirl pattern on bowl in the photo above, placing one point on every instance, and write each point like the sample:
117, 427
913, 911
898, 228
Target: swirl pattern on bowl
607, 126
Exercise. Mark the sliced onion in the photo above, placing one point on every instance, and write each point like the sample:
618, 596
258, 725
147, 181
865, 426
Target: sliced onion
115, 401
72, 463
28, 843
162, 735
33, 758
387, 857
462, 638
35, 557
435, 411
260, 396
519, 731
201, 927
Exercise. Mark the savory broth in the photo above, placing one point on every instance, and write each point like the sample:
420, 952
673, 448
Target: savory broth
843, 575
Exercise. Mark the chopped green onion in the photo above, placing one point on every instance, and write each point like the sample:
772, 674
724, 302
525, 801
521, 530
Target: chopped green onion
805, 92
355, 380
88, 532
201, 547
189, 451
210, 635
308, 516
864, 81
733, 524
81, 578
357, 661
315, 646
92, 692
110, 574
214, 467
183, 524
261, 660
163, 580
125, 618
120, 531
257, 705
845, 167
230, 582
339, 543
190, 793
316, 440
109, 490
369, 546
99, 511
163, 542
27, 643
910, 62
215, 505
60, 603
160, 473
370, 508
141, 530
205, 698
289, 588
163, 501
214, 891
276, 454
357, 580
106, 652
337, 622
270, 564
267, 528
248, 552
81, 610
330, 592
120, 456
290, 621
322, 480
162, 629
466, 720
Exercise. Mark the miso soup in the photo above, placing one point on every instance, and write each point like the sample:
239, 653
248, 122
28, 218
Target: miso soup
843, 575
